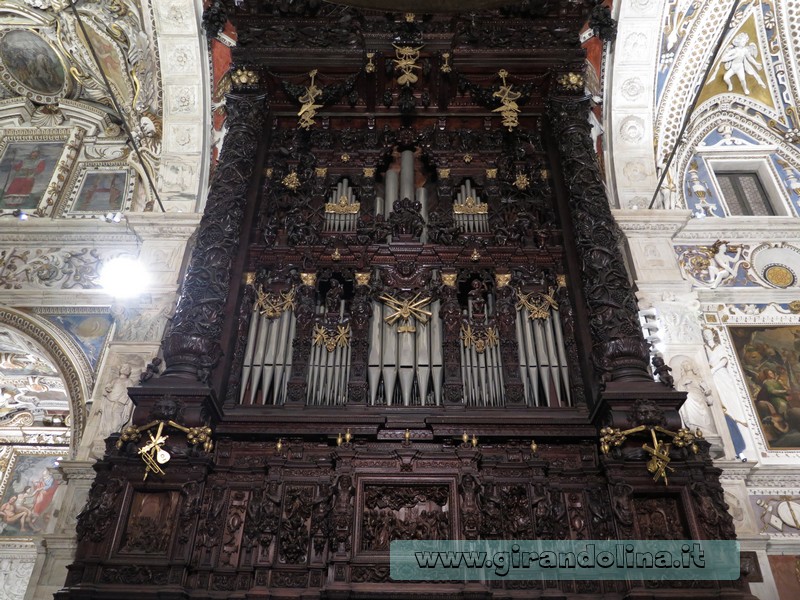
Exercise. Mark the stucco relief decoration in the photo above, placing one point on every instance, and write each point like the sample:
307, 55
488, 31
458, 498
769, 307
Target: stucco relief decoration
632, 129
632, 88
54, 268
50, 58
696, 411
33, 393
740, 60
719, 264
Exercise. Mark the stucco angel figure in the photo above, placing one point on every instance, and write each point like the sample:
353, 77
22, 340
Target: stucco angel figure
741, 59
714, 265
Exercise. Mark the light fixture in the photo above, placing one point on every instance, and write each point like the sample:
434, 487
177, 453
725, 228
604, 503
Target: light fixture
21, 215
113, 217
124, 277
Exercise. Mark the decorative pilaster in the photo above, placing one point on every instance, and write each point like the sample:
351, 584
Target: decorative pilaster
619, 351
192, 346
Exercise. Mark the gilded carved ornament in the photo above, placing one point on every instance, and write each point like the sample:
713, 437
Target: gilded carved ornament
508, 109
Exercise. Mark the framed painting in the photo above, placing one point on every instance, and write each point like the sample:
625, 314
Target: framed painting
768, 358
33, 167
100, 188
31, 66
28, 491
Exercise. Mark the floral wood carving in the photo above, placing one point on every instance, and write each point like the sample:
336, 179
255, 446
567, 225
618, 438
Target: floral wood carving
192, 347
620, 352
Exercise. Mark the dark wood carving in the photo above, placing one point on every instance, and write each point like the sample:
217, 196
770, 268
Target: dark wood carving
303, 499
192, 345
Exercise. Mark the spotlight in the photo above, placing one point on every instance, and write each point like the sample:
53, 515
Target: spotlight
20, 214
123, 277
113, 217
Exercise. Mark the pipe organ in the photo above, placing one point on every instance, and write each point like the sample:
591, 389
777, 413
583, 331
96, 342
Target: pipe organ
405, 318
471, 214
268, 354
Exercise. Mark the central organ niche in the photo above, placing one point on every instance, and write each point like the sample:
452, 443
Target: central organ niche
383, 277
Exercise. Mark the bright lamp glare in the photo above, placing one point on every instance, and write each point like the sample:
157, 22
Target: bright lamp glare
124, 277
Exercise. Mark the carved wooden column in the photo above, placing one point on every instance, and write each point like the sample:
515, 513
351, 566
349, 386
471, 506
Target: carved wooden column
450, 313
192, 346
305, 308
506, 315
360, 315
619, 350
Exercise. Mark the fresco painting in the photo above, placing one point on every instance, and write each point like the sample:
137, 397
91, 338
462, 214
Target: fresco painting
102, 192
32, 62
25, 171
26, 506
90, 332
768, 357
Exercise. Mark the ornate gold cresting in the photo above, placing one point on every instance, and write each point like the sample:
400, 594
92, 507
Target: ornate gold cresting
501, 280
370, 66
405, 309
331, 339
272, 306
153, 453
571, 81
449, 279
471, 207
522, 181
658, 464
343, 206
508, 109
406, 62
309, 279
291, 181
309, 108
244, 77
538, 304
445, 66
479, 339
363, 278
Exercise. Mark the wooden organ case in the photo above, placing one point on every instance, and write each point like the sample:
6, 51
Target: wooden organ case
406, 316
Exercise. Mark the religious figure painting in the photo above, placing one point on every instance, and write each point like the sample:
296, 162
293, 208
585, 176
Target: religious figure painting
25, 172
768, 357
31, 65
101, 192
28, 488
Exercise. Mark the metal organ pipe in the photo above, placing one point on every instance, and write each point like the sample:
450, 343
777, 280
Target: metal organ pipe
329, 370
268, 358
543, 360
